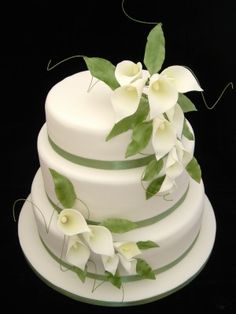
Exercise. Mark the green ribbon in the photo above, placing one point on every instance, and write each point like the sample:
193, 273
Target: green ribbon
140, 223
124, 279
102, 164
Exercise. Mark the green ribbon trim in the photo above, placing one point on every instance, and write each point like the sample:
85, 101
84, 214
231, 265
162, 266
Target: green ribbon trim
102, 164
124, 279
140, 223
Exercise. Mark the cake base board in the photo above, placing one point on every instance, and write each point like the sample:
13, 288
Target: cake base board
132, 293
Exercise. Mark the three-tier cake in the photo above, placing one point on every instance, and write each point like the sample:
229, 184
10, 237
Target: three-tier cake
119, 204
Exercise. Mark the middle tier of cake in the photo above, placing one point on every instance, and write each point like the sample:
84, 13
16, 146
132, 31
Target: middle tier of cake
102, 194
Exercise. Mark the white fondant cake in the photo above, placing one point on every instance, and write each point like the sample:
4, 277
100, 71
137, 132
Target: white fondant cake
107, 193
119, 195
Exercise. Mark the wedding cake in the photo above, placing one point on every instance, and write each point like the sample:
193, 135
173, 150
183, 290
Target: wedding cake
118, 200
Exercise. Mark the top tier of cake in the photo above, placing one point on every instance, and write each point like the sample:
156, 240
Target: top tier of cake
79, 120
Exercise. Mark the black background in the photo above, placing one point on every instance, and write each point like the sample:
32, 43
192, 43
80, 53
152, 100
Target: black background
199, 34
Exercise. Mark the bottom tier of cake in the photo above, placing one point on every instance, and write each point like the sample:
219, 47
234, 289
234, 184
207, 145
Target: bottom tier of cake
168, 279
174, 233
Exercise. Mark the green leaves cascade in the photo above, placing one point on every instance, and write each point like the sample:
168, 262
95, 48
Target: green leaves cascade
139, 122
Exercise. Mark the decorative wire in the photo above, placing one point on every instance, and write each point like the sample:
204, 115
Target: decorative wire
219, 98
165, 199
134, 19
91, 86
49, 68
47, 227
62, 268
95, 270
86, 206
123, 293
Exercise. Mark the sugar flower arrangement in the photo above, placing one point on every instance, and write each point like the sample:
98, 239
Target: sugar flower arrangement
85, 239
152, 104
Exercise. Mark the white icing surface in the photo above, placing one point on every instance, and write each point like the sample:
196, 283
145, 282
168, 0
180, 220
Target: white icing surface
174, 234
107, 193
79, 121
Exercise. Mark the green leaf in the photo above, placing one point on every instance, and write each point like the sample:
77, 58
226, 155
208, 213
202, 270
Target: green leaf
140, 138
186, 104
194, 170
103, 70
114, 279
152, 169
145, 245
64, 189
154, 187
187, 132
118, 225
155, 49
131, 121
144, 270
132, 149
80, 273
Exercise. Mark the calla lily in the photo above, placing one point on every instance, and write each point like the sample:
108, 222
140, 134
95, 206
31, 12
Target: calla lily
100, 240
162, 95
188, 145
182, 78
129, 265
71, 222
185, 153
110, 263
125, 99
77, 252
174, 166
164, 88
127, 72
176, 160
167, 186
127, 249
176, 117
163, 137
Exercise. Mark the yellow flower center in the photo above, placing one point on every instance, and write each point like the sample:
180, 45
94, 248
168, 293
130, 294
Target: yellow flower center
156, 86
125, 247
132, 70
64, 219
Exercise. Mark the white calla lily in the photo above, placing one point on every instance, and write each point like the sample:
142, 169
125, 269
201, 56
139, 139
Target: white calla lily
188, 150
71, 222
100, 240
163, 137
164, 88
110, 263
176, 117
174, 166
176, 160
127, 72
162, 95
77, 252
125, 99
128, 264
127, 249
167, 186
185, 152
182, 78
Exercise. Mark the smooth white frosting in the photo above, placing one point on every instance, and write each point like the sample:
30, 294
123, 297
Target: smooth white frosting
78, 121
107, 193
